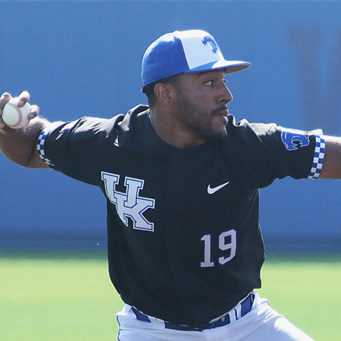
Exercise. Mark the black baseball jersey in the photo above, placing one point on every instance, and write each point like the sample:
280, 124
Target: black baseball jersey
184, 243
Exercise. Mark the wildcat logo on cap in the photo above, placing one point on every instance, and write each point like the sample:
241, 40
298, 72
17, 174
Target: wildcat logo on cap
210, 42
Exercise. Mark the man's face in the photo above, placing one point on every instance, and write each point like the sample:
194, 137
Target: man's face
202, 100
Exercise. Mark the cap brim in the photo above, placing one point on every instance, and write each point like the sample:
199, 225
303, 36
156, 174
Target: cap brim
237, 65
229, 66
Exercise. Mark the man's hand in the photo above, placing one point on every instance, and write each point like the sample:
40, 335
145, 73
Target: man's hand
24, 97
19, 145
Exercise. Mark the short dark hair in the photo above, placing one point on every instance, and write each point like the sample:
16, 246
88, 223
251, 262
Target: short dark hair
148, 89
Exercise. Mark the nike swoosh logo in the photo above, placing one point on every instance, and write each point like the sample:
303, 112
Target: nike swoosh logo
212, 190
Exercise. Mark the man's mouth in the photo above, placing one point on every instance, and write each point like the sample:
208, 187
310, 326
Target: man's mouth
222, 111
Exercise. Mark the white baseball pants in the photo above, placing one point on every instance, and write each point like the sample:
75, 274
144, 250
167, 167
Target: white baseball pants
262, 323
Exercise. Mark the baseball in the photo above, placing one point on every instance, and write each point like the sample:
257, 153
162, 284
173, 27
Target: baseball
16, 117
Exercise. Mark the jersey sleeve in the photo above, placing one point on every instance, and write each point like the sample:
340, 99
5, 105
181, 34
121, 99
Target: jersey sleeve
264, 152
77, 148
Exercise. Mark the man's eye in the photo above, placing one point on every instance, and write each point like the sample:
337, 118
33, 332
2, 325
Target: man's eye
209, 83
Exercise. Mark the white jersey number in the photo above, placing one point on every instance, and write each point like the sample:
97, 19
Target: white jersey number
227, 241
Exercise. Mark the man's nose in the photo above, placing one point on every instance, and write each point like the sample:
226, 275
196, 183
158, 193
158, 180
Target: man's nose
225, 96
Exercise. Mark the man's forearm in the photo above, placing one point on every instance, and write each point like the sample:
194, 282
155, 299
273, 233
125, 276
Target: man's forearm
332, 161
19, 145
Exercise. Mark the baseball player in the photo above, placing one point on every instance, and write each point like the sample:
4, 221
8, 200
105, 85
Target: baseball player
181, 178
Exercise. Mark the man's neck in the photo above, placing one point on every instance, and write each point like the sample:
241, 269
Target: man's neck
172, 131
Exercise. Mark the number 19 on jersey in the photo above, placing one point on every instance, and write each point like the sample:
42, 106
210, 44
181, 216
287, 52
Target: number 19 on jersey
227, 242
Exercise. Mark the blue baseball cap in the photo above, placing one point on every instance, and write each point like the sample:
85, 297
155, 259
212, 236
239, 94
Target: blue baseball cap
185, 52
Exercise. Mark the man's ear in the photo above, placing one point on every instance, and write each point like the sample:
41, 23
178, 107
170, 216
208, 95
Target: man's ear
165, 93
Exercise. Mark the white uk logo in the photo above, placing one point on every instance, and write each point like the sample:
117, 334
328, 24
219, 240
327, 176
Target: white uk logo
129, 205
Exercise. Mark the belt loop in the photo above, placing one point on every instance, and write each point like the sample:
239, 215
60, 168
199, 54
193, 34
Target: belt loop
246, 305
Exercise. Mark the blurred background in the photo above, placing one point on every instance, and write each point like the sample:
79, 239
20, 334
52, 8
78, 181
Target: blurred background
83, 58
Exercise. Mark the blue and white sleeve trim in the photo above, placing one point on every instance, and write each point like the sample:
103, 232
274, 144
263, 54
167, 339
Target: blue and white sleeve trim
41, 142
320, 149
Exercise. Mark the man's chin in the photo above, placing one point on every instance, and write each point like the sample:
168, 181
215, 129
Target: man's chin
216, 135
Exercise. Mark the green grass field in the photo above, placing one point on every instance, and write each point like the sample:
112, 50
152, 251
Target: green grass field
71, 298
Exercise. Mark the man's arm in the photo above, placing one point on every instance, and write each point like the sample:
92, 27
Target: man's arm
19, 145
332, 161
